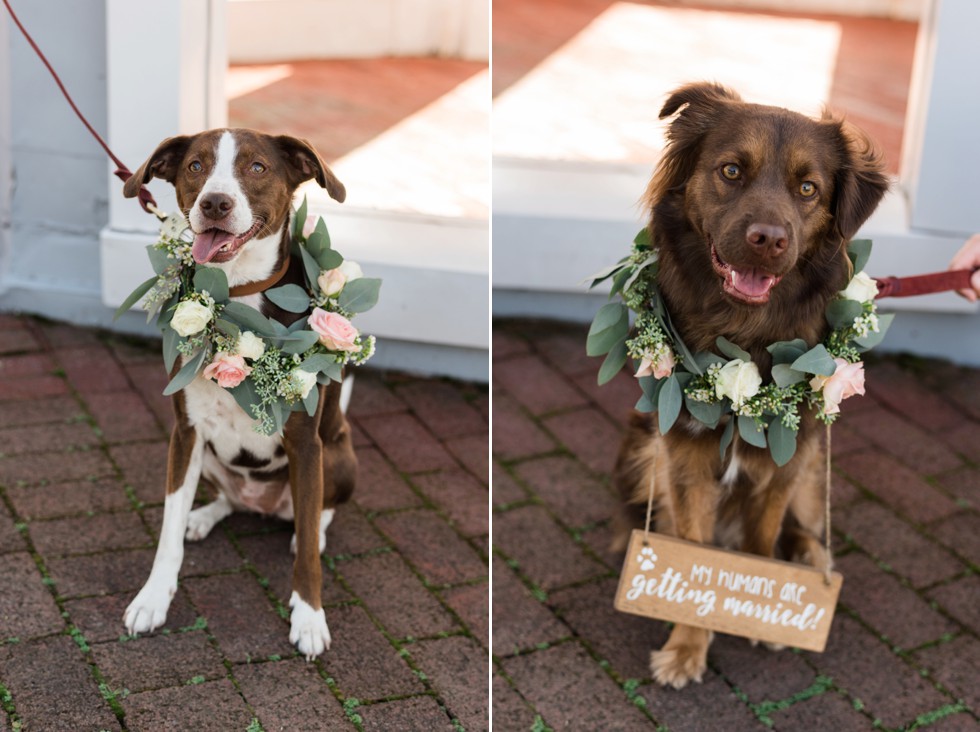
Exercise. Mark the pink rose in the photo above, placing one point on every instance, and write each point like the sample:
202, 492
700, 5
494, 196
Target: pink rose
845, 382
309, 225
229, 371
658, 368
335, 331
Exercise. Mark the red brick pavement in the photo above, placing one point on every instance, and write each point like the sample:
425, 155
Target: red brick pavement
903, 649
82, 456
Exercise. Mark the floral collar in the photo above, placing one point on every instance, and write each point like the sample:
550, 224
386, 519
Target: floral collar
711, 386
270, 369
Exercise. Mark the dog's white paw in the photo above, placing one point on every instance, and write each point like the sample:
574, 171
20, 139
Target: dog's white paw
148, 610
199, 524
308, 629
201, 520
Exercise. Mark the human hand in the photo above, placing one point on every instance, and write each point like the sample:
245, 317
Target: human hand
968, 257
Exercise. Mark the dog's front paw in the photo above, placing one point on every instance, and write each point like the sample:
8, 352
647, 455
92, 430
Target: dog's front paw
677, 666
308, 629
148, 610
774, 647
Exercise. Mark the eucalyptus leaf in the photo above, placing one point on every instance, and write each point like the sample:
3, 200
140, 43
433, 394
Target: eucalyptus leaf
227, 327
300, 341
321, 228
606, 272
171, 339
614, 363
669, 403
246, 395
619, 280
135, 296
707, 412
291, 298
841, 313
360, 295
213, 280
249, 318
642, 239
299, 221
816, 361
704, 359
651, 387
731, 350
278, 418
310, 265
687, 358
787, 351
311, 400
782, 442
611, 325
158, 259
750, 431
316, 243
859, 250
645, 404
652, 260
784, 375
329, 259
726, 437
187, 373
321, 362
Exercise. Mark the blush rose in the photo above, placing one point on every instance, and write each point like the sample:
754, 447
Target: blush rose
846, 381
227, 369
335, 331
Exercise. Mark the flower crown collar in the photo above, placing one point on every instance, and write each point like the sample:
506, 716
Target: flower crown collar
270, 368
726, 383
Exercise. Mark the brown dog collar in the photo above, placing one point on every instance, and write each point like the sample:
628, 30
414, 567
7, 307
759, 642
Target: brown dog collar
251, 288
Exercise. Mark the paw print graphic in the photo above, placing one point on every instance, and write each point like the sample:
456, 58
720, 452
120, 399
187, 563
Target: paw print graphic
646, 558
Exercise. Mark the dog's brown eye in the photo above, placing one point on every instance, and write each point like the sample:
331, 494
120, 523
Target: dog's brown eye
258, 168
808, 188
195, 167
731, 171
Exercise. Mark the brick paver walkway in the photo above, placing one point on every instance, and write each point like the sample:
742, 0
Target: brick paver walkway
82, 459
903, 650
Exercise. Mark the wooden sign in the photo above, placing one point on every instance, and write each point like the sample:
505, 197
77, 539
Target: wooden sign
726, 591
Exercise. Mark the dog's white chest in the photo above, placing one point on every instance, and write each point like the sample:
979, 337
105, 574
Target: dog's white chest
248, 467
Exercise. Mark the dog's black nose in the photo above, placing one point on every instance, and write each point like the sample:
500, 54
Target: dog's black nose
216, 205
771, 239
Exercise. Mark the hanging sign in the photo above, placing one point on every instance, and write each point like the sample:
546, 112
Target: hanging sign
729, 592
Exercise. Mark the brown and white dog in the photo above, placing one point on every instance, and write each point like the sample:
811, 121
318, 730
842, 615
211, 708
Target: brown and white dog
235, 187
750, 210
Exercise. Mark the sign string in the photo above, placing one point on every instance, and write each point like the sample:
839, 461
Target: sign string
830, 561
653, 481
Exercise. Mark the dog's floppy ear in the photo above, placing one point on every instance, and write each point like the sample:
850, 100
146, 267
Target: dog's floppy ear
306, 163
163, 163
861, 181
698, 108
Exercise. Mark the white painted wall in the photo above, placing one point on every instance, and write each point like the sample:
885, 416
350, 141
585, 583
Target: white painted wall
294, 30
53, 198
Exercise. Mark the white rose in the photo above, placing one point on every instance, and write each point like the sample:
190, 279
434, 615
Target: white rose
861, 288
351, 270
190, 317
738, 380
302, 381
250, 345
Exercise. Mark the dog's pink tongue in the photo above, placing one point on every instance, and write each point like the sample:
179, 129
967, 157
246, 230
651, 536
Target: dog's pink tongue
208, 243
752, 282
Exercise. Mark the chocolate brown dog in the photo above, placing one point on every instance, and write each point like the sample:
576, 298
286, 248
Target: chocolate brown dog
751, 208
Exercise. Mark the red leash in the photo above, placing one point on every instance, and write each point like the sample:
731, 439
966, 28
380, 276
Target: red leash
122, 172
957, 279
